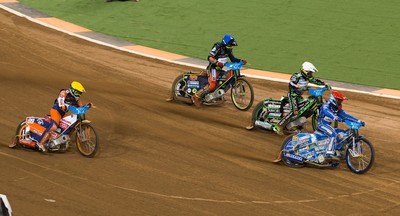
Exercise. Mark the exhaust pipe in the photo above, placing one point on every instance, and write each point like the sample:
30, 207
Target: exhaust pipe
262, 124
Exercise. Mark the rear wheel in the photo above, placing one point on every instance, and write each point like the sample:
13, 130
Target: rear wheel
258, 109
178, 90
87, 140
359, 158
286, 145
21, 133
242, 94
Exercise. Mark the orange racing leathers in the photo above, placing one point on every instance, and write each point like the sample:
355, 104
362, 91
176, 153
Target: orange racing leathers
60, 108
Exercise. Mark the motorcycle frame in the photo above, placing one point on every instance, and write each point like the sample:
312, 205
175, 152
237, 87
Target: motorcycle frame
312, 102
350, 139
229, 82
69, 131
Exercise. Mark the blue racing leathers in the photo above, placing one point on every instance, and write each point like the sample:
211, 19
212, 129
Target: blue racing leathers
328, 114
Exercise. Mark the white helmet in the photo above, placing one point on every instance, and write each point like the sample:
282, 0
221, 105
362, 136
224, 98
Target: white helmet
308, 67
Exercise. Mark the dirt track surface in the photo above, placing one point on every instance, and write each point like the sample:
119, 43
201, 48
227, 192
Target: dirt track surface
163, 158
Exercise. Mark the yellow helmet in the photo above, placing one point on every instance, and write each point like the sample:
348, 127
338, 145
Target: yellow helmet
77, 88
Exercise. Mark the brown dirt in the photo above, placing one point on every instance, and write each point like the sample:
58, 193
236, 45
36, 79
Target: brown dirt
163, 158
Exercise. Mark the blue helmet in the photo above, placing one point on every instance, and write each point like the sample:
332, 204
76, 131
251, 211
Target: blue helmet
228, 40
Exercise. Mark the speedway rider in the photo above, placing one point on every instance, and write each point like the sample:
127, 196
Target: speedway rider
66, 97
297, 85
217, 58
332, 111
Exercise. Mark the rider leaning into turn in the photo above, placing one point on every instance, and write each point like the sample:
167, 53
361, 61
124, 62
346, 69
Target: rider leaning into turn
217, 58
297, 85
66, 97
332, 111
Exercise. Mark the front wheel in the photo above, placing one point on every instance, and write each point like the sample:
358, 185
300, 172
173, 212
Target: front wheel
242, 94
87, 140
360, 156
287, 151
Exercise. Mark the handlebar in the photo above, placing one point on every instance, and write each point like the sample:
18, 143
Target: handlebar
317, 92
234, 65
355, 125
80, 110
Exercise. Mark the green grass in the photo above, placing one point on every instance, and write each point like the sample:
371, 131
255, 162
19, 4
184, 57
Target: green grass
354, 41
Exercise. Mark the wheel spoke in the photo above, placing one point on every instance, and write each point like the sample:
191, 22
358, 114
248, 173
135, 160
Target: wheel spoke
360, 156
242, 94
87, 141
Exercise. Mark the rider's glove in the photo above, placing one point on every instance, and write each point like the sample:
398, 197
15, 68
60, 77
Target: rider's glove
90, 104
64, 107
328, 87
244, 61
220, 64
361, 122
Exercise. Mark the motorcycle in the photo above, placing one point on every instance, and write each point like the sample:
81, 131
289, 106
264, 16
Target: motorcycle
309, 148
242, 94
269, 112
86, 139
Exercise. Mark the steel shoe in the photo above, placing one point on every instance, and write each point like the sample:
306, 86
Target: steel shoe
277, 129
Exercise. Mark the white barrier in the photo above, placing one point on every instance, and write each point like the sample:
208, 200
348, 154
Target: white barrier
5, 207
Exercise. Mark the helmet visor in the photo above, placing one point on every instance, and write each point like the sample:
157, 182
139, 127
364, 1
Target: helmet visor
76, 93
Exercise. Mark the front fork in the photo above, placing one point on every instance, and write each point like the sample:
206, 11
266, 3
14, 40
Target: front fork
356, 150
80, 133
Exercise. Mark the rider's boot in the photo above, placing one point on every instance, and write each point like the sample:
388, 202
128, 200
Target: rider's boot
52, 134
40, 147
330, 154
196, 98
